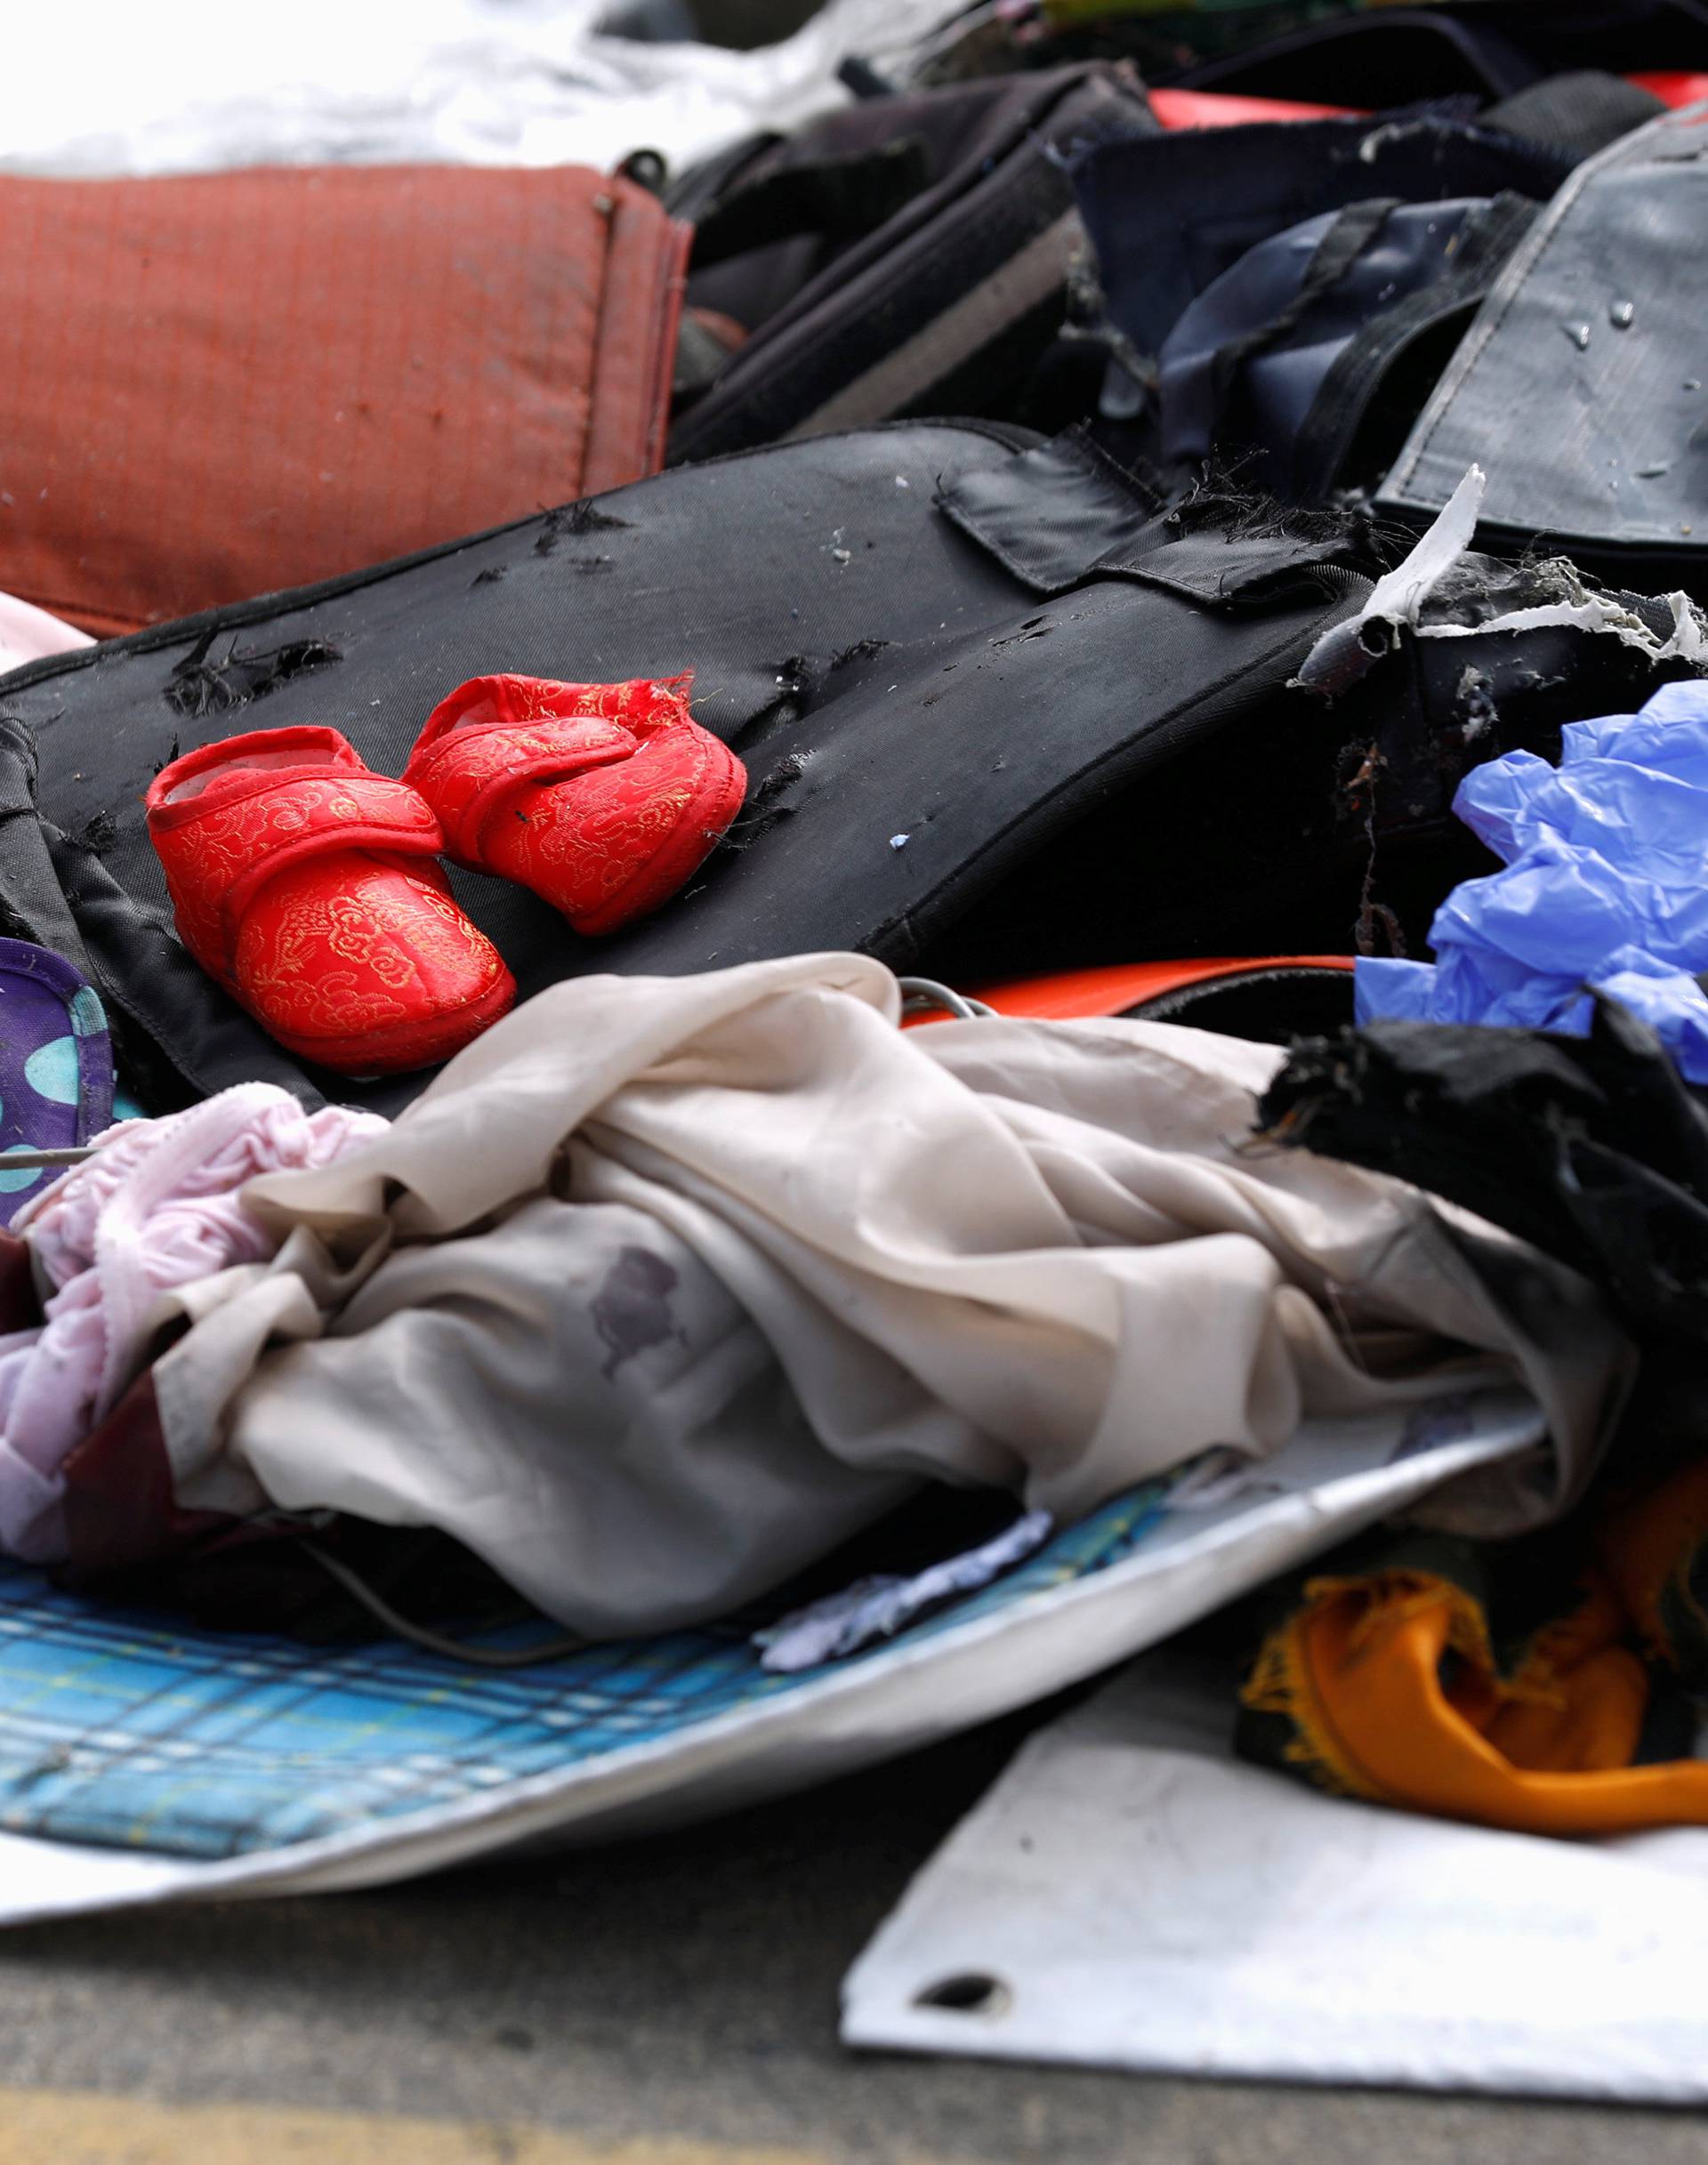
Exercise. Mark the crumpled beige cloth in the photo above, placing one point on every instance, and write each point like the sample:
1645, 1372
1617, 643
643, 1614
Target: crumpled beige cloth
666, 1286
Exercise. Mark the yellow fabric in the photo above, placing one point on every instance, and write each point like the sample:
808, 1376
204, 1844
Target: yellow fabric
1356, 1671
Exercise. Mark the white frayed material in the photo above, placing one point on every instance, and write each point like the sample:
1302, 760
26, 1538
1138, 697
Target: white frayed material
1395, 603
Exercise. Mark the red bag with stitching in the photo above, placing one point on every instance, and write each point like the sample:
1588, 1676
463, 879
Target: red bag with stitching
217, 385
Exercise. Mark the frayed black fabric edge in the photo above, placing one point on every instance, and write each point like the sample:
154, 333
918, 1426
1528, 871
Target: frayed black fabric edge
233, 614
200, 687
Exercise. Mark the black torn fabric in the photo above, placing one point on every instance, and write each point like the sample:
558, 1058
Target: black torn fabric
1593, 1149
570, 521
199, 686
100, 832
1223, 496
862, 651
767, 803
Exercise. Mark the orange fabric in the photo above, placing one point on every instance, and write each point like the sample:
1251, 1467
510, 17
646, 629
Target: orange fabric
1074, 994
217, 385
1358, 1671
1646, 1547
1078, 995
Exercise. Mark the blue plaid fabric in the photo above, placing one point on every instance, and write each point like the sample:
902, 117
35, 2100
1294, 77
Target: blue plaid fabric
126, 1728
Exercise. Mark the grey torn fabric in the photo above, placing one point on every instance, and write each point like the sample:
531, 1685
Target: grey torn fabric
1398, 601
1578, 383
666, 1286
879, 1606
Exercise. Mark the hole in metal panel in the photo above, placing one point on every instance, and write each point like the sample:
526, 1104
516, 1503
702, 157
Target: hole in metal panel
972, 1992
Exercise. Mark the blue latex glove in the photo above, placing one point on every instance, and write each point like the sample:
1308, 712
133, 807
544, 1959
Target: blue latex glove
1606, 884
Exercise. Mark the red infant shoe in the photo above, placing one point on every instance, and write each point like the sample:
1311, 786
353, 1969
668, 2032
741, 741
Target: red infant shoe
308, 887
601, 798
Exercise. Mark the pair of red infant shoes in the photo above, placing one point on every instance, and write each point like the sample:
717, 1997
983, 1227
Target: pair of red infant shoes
311, 888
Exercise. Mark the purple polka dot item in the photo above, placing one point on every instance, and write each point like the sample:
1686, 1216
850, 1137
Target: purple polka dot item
56, 1065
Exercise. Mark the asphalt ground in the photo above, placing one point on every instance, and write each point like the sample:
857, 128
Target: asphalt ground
670, 2001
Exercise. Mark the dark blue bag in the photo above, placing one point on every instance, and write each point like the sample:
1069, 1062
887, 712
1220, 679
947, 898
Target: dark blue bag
1289, 287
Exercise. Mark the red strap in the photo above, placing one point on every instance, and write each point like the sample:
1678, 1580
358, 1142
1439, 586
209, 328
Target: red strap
472, 771
307, 817
1204, 109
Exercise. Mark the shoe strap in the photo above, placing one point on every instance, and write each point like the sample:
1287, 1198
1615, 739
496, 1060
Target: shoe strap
470, 774
219, 857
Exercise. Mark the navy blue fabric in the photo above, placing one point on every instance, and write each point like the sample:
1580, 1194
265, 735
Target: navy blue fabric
1169, 214
1412, 246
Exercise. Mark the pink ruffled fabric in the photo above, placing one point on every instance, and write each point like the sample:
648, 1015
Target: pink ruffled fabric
157, 1206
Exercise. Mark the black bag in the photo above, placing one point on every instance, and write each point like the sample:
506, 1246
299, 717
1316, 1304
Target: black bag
907, 256
999, 714
924, 701
1389, 57
1582, 386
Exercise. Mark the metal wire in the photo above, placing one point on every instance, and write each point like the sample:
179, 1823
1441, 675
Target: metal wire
484, 1657
920, 995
